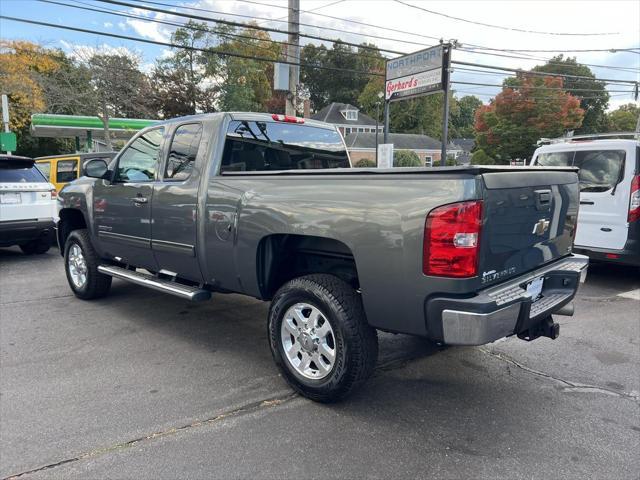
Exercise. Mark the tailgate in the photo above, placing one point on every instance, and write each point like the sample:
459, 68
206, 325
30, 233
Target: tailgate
530, 219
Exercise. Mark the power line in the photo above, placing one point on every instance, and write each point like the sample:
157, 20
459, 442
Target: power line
513, 29
185, 47
579, 50
143, 4
540, 88
543, 74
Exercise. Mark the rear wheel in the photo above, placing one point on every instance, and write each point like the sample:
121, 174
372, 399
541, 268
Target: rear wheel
81, 266
320, 338
38, 246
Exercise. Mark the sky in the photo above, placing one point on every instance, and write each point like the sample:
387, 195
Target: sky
610, 25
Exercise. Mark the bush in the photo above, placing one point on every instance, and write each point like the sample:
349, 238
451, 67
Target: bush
480, 157
406, 158
364, 163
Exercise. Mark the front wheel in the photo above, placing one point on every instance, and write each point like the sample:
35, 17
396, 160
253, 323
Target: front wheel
81, 266
320, 338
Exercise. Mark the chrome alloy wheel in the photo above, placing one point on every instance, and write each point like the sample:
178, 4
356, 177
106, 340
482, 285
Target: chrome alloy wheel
308, 341
77, 266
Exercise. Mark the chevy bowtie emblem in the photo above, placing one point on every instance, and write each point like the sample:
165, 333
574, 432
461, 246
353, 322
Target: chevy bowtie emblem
541, 227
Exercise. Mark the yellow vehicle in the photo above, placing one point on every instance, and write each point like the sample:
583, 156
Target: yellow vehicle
62, 169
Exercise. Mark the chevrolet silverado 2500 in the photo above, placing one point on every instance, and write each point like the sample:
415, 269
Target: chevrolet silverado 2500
269, 206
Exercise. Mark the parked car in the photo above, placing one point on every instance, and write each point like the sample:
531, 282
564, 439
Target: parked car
609, 218
268, 206
62, 169
27, 205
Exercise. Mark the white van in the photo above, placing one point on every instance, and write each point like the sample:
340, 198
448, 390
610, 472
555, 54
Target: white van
609, 216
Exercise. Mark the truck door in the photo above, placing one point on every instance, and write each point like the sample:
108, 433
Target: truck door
122, 207
175, 204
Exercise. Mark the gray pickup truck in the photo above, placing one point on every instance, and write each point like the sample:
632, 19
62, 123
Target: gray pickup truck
269, 206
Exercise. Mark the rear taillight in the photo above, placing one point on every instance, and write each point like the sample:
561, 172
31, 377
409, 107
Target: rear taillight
287, 118
54, 194
634, 201
452, 240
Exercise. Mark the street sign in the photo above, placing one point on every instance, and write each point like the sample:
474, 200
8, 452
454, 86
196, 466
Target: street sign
8, 142
385, 155
416, 74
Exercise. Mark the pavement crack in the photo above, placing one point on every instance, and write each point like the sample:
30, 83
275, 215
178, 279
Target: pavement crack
37, 299
569, 386
242, 410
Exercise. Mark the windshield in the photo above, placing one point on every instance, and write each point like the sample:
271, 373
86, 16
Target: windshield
271, 146
600, 170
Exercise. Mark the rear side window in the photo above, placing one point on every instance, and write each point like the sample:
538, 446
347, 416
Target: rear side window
272, 146
66, 171
555, 159
20, 175
599, 170
45, 169
183, 151
139, 161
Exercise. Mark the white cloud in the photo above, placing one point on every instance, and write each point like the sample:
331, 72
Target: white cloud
150, 30
108, 24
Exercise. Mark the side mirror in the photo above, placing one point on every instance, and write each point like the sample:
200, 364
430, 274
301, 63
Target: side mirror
96, 168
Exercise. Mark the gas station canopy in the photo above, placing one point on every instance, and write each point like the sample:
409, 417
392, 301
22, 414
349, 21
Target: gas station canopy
69, 126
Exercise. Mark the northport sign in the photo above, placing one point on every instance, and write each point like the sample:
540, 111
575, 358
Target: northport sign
416, 74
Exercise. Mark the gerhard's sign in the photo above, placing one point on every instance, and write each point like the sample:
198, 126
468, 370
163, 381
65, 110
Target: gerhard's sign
416, 74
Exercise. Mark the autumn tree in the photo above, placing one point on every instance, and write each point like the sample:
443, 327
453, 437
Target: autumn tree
594, 98
527, 109
183, 82
462, 118
624, 119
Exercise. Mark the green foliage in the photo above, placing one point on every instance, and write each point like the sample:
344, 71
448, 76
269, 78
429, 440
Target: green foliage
326, 86
451, 161
527, 109
462, 119
406, 158
365, 162
624, 118
480, 157
595, 101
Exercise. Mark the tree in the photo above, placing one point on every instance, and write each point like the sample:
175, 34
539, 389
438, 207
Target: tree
344, 85
527, 109
480, 157
182, 83
594, 102
103, 85
25, 71
624, 118
245, 84
406, 158
462, 120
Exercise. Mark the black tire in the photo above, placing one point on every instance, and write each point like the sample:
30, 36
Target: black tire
356, 343
97, 284
38, 247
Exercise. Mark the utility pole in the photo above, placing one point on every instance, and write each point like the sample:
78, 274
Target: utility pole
293, 55
5, 114
445, 110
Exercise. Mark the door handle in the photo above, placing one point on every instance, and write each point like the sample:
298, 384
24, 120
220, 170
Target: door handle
587, 202
140, 200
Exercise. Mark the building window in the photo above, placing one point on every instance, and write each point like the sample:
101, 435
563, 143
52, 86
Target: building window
428, 161
350, 114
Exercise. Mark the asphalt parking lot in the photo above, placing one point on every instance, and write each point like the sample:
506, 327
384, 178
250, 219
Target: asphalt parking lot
144, 385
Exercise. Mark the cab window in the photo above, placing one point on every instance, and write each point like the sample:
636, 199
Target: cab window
183, 151
66, 171
45, 169
271, 146
139, 161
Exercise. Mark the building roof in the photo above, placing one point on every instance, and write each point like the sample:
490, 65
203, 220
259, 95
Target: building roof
465, 144
331, 114
401, 141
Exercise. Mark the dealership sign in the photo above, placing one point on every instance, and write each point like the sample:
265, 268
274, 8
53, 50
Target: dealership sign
417, 74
